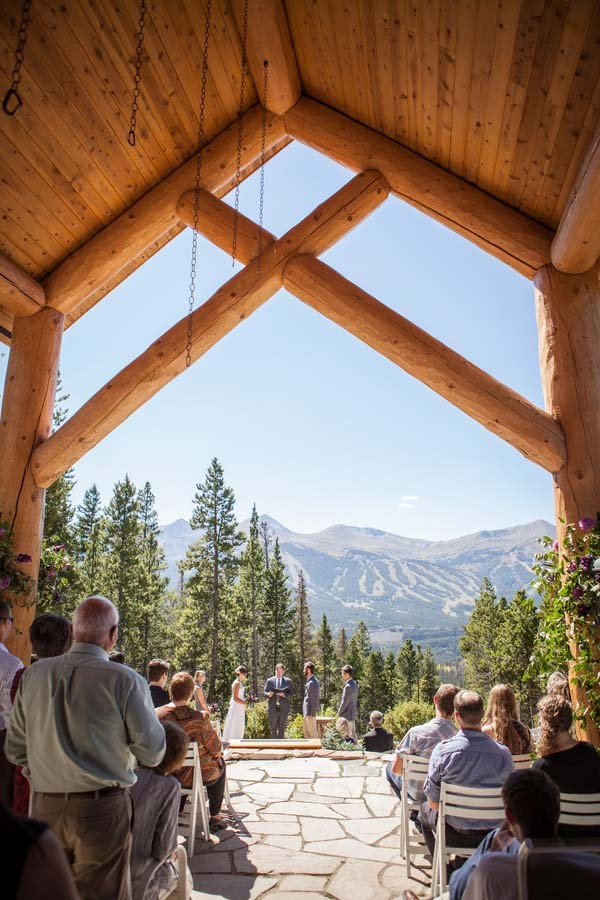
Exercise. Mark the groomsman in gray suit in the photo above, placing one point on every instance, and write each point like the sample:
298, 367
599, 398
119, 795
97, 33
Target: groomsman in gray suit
349, 705
279, 690
310, 704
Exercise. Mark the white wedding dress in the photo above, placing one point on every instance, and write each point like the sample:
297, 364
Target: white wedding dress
235, 722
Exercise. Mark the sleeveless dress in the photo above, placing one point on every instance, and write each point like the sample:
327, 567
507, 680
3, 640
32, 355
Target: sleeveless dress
236, 716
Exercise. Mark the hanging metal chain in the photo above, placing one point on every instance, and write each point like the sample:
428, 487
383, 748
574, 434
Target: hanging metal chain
137, 80
240, 135
12, 99
263, 145
201, 116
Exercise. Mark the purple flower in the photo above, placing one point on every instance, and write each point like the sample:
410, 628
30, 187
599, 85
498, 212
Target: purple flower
597, 578
551, 578
587, 524
51, 572
4, 582
586, 562
572, 567
583, 609
577, 592
556, 546
2, 533
23, 557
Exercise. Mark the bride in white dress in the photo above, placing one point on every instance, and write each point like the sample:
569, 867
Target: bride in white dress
235, 722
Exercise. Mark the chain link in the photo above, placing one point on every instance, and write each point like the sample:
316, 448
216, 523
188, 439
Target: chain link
12, 99
238, 167
263, 145
137, 80
203, 84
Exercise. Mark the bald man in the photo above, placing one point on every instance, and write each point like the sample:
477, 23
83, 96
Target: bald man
77, 723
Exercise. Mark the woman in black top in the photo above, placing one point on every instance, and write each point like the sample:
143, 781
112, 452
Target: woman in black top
573, 765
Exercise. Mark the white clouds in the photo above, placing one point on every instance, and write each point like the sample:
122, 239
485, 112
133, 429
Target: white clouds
405, 506
408, 501
408, 497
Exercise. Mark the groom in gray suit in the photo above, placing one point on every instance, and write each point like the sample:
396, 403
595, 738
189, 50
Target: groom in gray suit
279, 690
310, 704
349, 705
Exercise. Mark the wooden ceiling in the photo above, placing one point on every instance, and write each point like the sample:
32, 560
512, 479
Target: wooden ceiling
503, 93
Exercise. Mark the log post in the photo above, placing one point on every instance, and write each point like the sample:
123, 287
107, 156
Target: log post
568, 314
25, 422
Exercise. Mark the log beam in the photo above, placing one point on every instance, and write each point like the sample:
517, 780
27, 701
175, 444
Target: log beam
232, 303
20, 294
576, 245
497, 228
216, 222
568, 315
112, 250
269, 39
25, 421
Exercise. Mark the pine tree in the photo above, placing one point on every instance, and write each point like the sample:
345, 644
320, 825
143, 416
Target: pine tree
359, 648
374, 693
478, 644
407, 670
251, 587
430, 679
58, 510
341, 647
120, 573
155, 632
266, 537
305, 629
214, 516
88, 528
515, 649
279, 621
192, 614
390, 678
325, 660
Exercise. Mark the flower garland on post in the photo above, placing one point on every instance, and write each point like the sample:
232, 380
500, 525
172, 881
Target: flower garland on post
569, 582
12, 579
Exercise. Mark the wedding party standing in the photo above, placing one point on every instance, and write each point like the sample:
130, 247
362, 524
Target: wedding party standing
279, 690
310, 704
200, 703
349, 703
235, 723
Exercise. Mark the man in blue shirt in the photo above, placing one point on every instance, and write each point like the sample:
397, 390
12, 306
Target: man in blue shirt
469, 758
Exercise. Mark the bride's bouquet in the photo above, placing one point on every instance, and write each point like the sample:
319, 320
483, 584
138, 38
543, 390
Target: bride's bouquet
215, 711
252, 698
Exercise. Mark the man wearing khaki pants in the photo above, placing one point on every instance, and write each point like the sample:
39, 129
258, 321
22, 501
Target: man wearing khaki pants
310, 703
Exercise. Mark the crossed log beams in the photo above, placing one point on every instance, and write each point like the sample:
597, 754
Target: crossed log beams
231, 304
533, 432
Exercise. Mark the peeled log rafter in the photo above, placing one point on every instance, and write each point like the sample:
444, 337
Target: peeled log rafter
269, 39
20, 294
576, 245
499, 409
233, 302
216, 222
98, 261
497, 228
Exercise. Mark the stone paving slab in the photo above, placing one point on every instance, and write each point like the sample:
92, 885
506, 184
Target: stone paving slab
307, 828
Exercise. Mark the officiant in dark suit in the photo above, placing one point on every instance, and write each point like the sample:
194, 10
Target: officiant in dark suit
279, 690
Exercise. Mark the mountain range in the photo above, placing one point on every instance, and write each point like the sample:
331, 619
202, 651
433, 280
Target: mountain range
395, 584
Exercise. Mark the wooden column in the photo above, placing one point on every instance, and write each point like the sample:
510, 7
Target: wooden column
25, 421
568, 314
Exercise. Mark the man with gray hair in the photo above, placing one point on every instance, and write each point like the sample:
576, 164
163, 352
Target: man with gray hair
377, 740
78, 721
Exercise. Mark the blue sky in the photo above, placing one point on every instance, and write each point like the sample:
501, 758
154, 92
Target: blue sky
307, 421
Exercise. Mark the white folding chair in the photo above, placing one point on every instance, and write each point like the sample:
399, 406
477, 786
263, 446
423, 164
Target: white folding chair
522, 761
197, 801
464, 803
412, 843
580, 809
551, 860
180, 893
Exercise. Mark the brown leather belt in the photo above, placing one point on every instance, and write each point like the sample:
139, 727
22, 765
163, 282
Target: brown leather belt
85, 795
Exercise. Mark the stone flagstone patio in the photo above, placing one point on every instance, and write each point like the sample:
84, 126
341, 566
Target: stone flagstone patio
306, 828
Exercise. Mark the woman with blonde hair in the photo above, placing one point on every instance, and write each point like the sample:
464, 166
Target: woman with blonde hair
572, 765
200, 703
502, 721
558, 685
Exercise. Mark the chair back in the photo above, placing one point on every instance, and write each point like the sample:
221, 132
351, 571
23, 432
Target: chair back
414, 773
471, 803
551, 871
580, 809
522, 761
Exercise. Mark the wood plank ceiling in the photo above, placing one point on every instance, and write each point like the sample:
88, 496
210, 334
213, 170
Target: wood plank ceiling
504, 93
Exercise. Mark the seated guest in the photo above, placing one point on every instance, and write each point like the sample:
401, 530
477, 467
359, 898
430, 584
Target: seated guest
344, 729
198, 728
572, 765
558, 686
471, 759
50, 635
421, 739
155, 797
117, 656
33, 862
200, 703
158, 672
502, 721
9, 666
377, 740
78, 722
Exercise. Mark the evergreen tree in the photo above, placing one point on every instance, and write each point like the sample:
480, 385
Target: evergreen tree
515, 649
88, 527
341, 647
193, 609
325, 660
154, 624
374, 693
266, 537
303, 619
430, 679
251, 588
359, 648
120, 573
279, 621
478, 644
390, 678
408, 674
214, 516
58, 509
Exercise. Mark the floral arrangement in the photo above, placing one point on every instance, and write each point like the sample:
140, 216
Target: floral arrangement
56, 575
569, 582
252, 698
214, 710
12, 579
